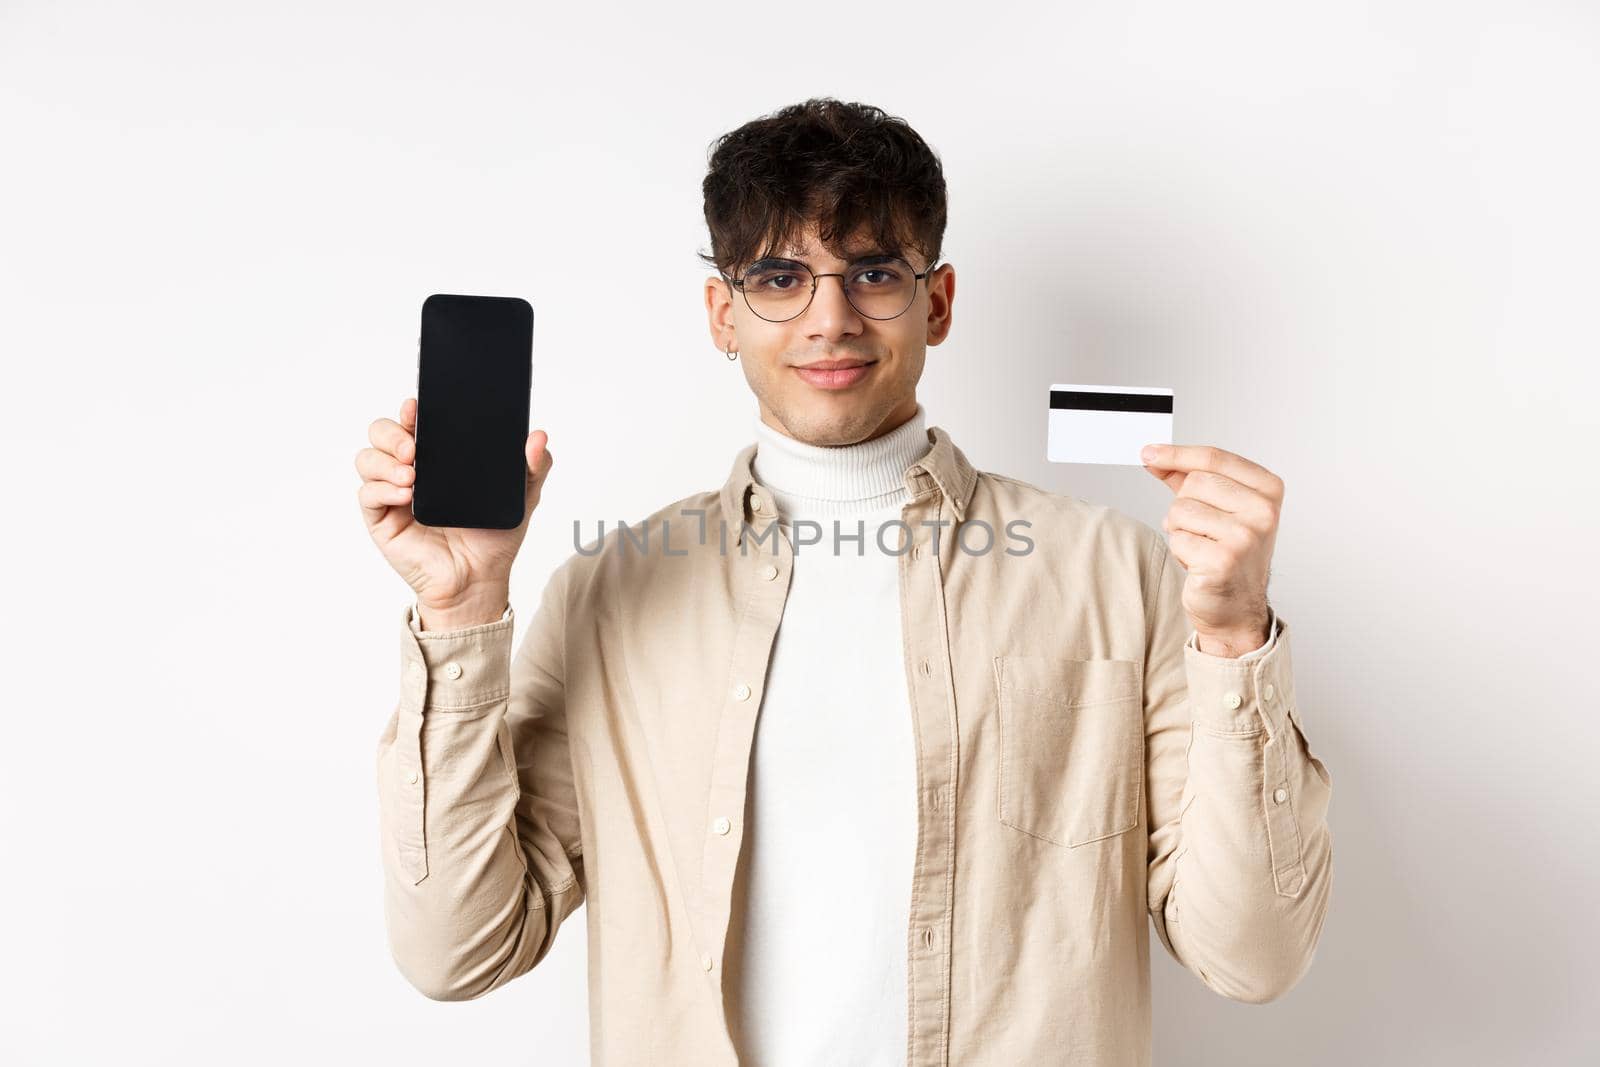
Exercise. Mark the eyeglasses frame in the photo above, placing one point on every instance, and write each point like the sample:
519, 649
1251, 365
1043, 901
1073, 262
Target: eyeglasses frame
816, 279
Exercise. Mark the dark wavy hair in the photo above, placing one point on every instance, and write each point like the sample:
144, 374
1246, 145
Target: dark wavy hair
846, 166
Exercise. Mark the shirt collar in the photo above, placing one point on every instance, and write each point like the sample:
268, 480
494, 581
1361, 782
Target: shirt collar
944, 469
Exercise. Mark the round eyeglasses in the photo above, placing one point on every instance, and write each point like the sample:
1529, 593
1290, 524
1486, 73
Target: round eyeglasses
879, 287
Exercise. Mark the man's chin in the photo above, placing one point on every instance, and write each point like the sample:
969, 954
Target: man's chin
831, 422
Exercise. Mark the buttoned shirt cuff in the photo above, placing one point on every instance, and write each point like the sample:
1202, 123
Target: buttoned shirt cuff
1240, 698
1245, 692
461, 668
1272, 637
414, 616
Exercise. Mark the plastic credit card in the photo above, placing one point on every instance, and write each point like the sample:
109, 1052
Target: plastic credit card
1107, 423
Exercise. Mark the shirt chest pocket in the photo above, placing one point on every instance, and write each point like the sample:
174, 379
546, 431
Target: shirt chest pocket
1071, 747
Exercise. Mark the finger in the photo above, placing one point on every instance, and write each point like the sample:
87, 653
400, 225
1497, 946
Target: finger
1199, 555
1173, 479
1193, 516
1165, 457
378, 497
536, 451
1218, 490
540, 460
393, 439
376, 465
1225, 494
408, 414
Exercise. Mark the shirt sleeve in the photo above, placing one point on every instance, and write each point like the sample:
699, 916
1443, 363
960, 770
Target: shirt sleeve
479, 834
414, 616
1240, 854
1272, 636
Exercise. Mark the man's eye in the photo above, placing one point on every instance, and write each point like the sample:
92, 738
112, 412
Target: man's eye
777, 281
883, 276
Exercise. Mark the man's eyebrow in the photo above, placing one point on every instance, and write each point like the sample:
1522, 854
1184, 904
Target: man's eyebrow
788, 258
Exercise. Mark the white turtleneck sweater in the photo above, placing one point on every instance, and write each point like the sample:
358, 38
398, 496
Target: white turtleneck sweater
833, 780
833, 773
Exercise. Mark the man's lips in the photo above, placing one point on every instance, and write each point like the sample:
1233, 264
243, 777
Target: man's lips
835, 373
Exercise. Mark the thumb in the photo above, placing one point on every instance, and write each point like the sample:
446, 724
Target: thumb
539, 460
1174, 479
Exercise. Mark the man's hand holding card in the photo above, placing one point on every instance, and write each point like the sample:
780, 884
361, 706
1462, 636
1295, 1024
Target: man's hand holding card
1223, 521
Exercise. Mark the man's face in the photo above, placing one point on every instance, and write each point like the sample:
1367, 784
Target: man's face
779, 358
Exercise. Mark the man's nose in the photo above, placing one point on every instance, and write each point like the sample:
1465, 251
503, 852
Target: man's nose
831, 311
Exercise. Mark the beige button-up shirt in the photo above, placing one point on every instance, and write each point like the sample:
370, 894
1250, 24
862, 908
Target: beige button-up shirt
1084, 772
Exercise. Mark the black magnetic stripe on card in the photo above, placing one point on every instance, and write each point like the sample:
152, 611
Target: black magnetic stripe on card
1072, 399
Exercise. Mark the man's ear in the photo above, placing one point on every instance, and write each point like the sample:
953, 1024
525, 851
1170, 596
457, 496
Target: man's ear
941, 303
719, 311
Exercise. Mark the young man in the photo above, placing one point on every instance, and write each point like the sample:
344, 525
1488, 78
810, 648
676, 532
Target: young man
866, 757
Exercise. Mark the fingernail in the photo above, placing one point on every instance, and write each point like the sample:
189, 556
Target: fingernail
1148, 454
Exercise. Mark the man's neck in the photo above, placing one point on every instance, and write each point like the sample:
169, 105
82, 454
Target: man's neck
896, 419
809, 480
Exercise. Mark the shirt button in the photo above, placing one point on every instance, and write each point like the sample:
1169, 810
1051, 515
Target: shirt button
412, 777
722, 825
1230, 699
705, 960
1268, 691
769, 572
741, 692
1280, 795
452, 670
755, 505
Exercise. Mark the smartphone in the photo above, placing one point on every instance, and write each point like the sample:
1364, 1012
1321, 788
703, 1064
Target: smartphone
474, 390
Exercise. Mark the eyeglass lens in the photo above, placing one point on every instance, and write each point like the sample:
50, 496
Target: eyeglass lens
879, 288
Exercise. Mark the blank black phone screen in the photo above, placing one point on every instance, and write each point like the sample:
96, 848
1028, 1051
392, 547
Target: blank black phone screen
474, 379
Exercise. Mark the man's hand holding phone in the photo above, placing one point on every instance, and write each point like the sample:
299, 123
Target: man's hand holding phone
461, 576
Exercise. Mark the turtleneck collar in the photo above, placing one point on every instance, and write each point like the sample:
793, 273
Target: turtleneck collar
814, 480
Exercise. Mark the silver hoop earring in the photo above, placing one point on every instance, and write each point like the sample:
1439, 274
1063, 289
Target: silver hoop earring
730, 353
